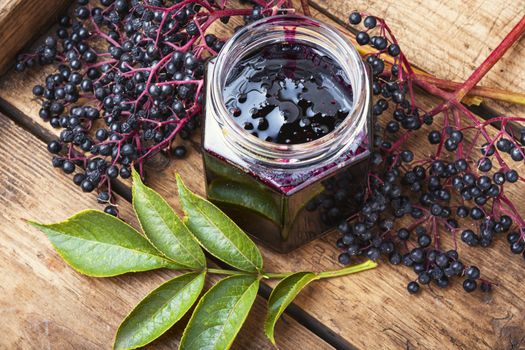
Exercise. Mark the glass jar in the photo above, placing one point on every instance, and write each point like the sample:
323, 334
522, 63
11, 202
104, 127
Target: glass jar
285, 195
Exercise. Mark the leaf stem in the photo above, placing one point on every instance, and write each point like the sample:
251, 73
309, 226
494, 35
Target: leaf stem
227, 272
367, 265
277, 275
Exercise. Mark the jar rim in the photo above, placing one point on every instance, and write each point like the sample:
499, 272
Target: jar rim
311, 32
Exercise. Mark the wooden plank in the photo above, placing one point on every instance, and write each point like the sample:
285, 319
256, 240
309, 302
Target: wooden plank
44, 303
373, 310
21, 21
450, 38
376, 303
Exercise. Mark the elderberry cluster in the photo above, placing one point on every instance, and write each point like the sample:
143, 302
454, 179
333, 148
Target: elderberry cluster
129, 82
412, 205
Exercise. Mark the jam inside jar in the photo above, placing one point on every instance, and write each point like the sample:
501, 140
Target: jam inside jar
287, 130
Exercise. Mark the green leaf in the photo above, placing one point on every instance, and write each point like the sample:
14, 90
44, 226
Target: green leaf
217, 233
163, 227
220, 314
220, 169
245, 196
159, 311
100, 245
282, 296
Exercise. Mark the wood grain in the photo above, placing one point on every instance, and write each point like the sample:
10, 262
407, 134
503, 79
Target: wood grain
369, 310
21, 21
450, 38
47, 305
376, 303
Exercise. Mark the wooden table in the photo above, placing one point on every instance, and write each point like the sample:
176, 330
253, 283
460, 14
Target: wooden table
44, 304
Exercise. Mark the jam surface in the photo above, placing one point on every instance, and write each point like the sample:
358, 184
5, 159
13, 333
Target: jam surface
288, 93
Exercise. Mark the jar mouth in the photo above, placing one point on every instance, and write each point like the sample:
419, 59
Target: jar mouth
292, 29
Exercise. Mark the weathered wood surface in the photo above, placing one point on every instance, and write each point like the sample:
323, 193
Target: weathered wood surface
370, 310
21, 21
47, 305
450, 38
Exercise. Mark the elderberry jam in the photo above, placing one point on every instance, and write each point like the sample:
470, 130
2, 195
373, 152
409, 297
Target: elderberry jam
288, 93
287, 130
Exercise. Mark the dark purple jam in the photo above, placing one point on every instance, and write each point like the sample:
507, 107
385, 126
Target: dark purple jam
288, 93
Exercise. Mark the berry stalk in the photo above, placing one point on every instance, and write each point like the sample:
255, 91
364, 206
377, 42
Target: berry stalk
492, 59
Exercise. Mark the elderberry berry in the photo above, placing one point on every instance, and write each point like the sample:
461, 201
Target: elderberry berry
370, 22
469, 285
111, 210
472, 272
355, 18
54, 147
413, 287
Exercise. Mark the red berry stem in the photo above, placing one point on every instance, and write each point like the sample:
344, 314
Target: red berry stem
492, 59
306, 8
476, 91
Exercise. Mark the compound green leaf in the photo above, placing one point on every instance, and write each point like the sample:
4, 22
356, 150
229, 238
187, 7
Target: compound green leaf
159, 311
282, 296
164, 229
246, 197
101, 245
217, 233
220, 314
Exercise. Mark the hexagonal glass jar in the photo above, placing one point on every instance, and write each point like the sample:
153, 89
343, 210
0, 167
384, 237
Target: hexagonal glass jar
285, 195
